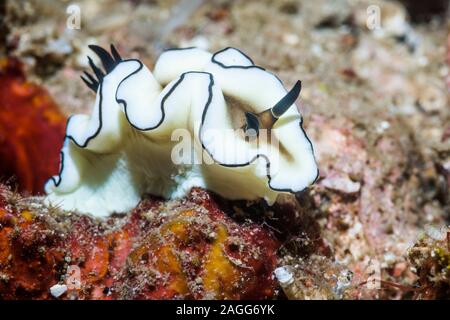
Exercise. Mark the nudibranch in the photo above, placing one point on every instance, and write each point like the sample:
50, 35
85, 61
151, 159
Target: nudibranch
215, 121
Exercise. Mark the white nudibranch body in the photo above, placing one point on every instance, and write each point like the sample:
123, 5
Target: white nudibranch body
182, 126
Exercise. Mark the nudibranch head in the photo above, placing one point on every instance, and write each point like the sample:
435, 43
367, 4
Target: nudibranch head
215, 121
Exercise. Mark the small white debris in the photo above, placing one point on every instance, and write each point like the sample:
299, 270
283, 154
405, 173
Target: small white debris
60, 47
317, 50
423, 61
383, 126
291, 39
436, 233
344, 281
284, 276
446, 165
341, 182
390, 258
58, 290
355, 230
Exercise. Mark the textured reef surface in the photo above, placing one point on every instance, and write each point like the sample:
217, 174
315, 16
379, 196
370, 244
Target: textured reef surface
163, 250
375, 105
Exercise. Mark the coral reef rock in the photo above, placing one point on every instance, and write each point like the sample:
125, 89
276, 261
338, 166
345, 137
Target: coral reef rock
31, 129
185, 248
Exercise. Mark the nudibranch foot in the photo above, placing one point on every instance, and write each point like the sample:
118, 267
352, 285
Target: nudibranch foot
178, 127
